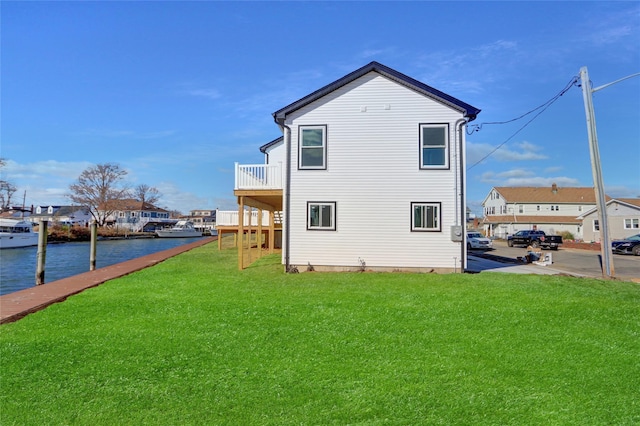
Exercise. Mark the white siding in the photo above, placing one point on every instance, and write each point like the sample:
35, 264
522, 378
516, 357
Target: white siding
276, 154
373, 176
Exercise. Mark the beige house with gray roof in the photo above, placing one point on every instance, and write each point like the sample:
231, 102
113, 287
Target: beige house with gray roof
623, 216
551, 209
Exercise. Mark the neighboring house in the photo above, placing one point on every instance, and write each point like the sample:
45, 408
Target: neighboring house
62, 215
136, 216
623, 216
551, 209
369, 173
204, 220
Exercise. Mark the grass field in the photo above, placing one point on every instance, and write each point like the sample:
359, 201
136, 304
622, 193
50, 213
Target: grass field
194, 341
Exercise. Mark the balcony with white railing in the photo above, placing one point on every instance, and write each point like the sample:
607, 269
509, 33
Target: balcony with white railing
258, 176
229, 218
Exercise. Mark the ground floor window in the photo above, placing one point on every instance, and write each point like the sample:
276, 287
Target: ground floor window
321, 216
631, 223
596, 225
425, 216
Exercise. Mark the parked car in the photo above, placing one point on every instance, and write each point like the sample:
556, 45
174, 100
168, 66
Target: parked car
630, 245
534, 239
476, 240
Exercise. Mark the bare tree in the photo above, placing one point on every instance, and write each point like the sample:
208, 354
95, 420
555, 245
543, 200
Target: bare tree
99, 189
7, 189
146, 194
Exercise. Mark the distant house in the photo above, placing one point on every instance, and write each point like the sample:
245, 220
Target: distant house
623, 216
368, 173
204, 220
135, 216
552, 209
62, 215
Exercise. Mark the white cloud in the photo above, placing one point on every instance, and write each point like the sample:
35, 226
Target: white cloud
525, 177
44, 170
131, 134
205, 93
526, 151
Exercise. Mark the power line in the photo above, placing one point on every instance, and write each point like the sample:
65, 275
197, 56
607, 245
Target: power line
542, 108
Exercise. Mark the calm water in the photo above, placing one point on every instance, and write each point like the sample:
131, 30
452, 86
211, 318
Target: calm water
18, 266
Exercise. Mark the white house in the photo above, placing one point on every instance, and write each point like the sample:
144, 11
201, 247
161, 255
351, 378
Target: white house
623, 216
551, 209
369, 173
135, 216
64, 215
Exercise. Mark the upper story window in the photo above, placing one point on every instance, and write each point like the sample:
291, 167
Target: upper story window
520, 208
596, 225
313, 147
434, 146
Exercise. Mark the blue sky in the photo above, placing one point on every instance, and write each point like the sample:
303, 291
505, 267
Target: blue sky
176, 92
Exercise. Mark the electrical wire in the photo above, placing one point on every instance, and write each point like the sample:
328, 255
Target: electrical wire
542, 108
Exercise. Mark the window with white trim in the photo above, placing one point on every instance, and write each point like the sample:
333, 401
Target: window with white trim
434, 146
321, 216
596, 225
313, 147
425, 217
631, 223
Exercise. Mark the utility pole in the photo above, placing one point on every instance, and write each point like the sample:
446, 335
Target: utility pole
605, 241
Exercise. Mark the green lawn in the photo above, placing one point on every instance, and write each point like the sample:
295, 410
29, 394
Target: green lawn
194, 341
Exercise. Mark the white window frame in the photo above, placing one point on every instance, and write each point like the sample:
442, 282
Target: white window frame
596, 225
445, 146
319, 226
437, 217
301, 148
631, 223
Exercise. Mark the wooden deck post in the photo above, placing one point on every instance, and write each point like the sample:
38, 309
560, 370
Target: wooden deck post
240, 238
249, 232
272, 231
259, 234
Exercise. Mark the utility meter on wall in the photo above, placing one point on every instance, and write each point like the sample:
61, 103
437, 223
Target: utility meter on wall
456, 233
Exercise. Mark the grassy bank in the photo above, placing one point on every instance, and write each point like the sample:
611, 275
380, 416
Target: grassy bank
194, 341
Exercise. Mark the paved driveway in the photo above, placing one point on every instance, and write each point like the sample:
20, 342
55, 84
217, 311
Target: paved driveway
571, 261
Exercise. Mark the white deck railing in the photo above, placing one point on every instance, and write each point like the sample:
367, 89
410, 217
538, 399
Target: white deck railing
230, 218
258, 176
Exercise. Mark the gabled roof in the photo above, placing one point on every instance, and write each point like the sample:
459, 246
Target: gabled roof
131, 205
531, 219
633, 203
547, 194
469, 111
266, 146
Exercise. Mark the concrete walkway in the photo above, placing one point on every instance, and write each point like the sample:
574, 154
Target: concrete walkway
479, 264
14, 306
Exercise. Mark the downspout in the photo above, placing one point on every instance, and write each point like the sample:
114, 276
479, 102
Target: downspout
287, 193
463, 213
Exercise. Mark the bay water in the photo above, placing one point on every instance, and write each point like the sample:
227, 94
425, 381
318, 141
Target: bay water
63, 260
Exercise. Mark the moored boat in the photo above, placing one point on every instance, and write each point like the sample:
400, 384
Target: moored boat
16, 233
182, 229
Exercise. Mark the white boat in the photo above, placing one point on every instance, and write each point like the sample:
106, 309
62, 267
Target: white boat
17, 233
182, 229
